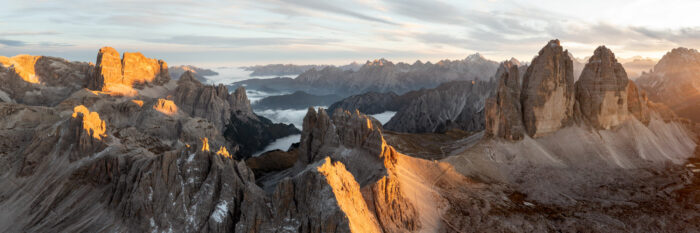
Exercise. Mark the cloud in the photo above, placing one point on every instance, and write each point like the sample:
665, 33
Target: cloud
333, 7
31, 33
241, 41
12, 43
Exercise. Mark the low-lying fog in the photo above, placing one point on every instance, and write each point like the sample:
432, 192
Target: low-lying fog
228, 75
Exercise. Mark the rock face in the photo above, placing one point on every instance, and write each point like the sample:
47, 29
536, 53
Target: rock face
601, 91
637, 103
40, 80
369, 103
675, 82
356, 140
380, 76
452, 105
199, 73
604, 97
548, 91
119, 75
503, 111
296, 100
231, 113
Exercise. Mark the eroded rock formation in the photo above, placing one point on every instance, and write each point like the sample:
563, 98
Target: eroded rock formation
40, 80
548, 91
503, 111
675, 82
604, 96
601, 91
452, 105
119, 75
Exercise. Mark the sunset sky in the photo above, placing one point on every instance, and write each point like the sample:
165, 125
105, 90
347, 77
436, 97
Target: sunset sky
242, 32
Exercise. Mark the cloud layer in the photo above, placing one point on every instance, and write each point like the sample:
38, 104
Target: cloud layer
334, 31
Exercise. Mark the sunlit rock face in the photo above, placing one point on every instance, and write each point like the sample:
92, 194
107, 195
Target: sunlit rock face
116, 75
356, 141
23, 66
548, 91
503, 111
40, 80
675, 82
601, 91
167, 107
324, 198
91, 121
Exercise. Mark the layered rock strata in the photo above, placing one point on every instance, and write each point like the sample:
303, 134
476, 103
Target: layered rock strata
601, 91
548, 91
602, 98
504, 111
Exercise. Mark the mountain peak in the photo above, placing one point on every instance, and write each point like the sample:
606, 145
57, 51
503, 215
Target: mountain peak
678, 59
379, 62
475, 57
514, 61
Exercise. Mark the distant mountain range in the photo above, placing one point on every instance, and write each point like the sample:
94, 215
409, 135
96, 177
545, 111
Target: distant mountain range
199, 73
296, 100
380, 76
675, 81
291, 69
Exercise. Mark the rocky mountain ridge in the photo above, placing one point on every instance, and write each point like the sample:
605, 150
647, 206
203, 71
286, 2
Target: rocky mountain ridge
290, 69
674, 82
380, 76
160, 161
199, 73
603, 97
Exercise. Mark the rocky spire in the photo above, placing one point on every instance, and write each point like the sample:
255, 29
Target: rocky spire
119, 75
548, 91
188, 76
503, 111
601, 91
637, 103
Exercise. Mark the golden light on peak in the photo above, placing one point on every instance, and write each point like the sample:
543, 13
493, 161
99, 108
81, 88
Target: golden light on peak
23, 66
92, 123
138, 102
166, 107
205, 144
223, 152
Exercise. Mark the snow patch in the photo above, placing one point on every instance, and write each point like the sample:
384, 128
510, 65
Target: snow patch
220, 211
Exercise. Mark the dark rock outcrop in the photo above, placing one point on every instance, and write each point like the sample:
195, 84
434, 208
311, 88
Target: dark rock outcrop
369, 103
503, 111
548, 91
296, 100
452, 105
231, 113
199, 73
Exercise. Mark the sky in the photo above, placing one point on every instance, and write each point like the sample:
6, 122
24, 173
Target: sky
246, 32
